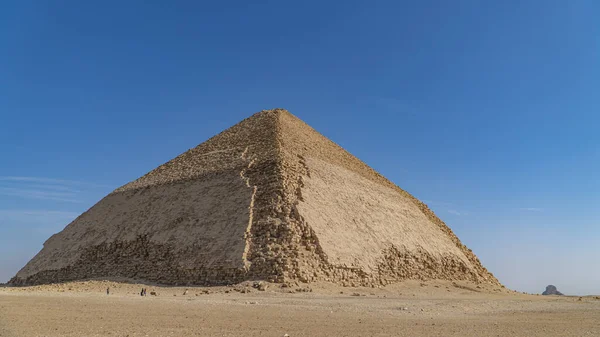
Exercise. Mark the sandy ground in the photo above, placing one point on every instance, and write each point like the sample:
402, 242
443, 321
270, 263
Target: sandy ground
409, 309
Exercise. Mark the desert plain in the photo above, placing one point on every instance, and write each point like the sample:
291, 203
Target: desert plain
411, 308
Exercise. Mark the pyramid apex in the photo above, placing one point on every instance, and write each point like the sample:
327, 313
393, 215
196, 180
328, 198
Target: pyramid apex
277, 111
280, 110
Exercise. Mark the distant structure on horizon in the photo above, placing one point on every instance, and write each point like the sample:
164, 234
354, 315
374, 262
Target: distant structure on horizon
551, 290
268, 199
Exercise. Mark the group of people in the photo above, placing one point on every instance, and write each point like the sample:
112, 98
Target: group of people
142, 293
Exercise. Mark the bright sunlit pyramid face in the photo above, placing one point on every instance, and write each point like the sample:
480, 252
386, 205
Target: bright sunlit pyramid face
270, 198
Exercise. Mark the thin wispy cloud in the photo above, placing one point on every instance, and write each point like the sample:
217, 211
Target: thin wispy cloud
41, 188
440, 205
43, 180
531, 209
54, 188
39, 194
21, 215
437, 203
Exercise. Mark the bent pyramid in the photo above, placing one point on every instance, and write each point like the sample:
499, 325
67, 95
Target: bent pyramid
270, 198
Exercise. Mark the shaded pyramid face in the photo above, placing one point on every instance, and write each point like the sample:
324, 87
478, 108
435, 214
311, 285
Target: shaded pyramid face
270, 198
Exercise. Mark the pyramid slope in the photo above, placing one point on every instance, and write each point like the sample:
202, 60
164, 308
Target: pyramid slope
270, 198
364, 228
183, 222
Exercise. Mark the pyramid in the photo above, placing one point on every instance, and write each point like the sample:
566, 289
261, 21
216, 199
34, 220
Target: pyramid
268, 199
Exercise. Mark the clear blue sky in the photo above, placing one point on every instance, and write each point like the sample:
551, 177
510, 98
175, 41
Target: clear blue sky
487, 110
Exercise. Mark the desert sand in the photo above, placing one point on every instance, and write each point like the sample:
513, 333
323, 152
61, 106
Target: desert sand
411, 308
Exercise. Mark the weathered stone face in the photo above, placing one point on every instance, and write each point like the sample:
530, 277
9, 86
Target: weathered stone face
269, 198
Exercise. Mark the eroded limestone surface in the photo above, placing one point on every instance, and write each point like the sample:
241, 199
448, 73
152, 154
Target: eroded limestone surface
270, 198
